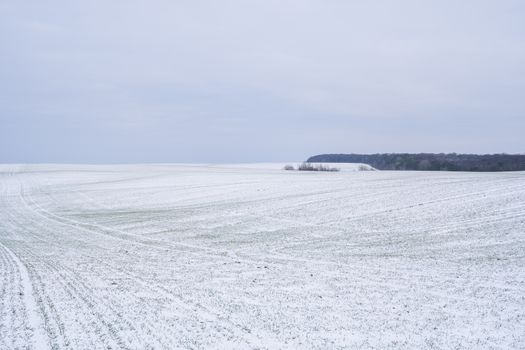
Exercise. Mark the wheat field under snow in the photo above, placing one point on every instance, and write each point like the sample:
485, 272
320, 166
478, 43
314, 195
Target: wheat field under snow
254, 257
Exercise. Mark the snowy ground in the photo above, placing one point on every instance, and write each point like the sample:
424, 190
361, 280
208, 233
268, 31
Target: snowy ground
240, 257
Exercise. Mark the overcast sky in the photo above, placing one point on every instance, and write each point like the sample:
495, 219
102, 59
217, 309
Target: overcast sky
245, 81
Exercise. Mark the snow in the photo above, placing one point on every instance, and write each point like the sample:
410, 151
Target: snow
250, 256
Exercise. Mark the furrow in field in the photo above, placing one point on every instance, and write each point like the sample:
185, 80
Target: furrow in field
268, 259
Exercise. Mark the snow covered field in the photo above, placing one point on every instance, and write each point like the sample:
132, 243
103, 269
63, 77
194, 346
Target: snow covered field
248, 257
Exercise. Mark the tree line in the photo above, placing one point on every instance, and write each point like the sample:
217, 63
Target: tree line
430, 161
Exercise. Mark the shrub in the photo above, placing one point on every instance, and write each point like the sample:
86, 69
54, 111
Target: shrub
312, 167
289, 167
363, 167
306, 167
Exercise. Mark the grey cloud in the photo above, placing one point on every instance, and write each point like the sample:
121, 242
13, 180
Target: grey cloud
126, 81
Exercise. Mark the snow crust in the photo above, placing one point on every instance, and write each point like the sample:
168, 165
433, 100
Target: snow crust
180, 256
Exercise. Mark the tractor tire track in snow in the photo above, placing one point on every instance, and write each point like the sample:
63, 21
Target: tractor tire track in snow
71, 284
27, 315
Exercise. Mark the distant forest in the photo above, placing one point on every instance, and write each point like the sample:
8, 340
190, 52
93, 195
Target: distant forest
430, 161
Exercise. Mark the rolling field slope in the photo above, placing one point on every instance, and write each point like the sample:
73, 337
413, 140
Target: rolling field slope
247, 257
